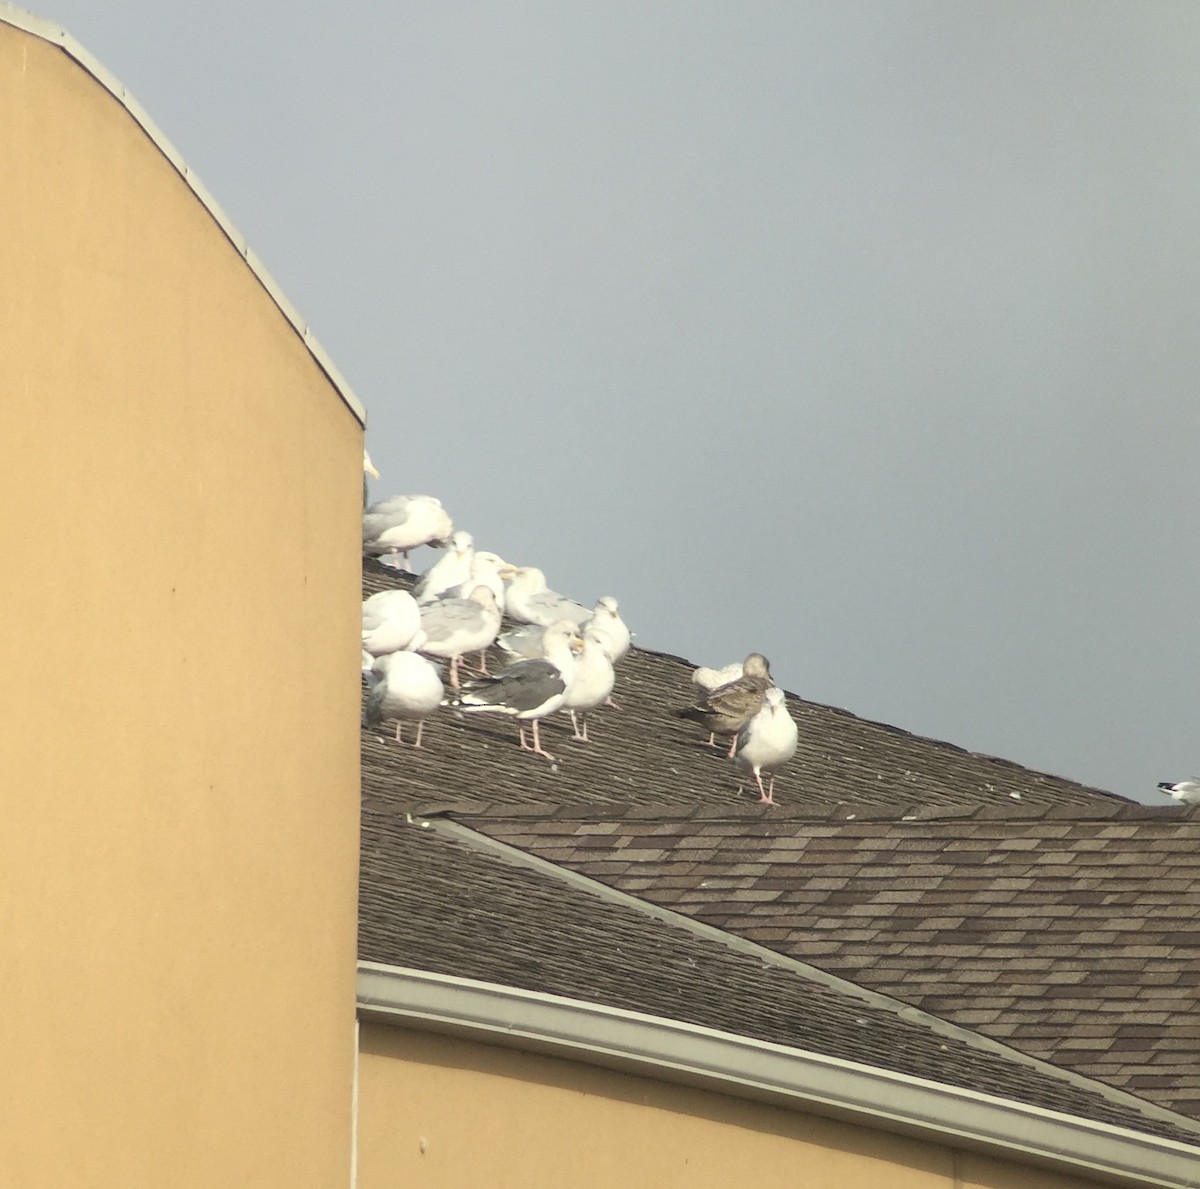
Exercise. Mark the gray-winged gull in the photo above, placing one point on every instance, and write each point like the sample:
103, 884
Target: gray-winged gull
404, 522
390, 621
591, 684
456, 626
529, 600
452, 569
486, 568
767, 742
726, 709
524, 641
528, 690
403, 686
1186, 792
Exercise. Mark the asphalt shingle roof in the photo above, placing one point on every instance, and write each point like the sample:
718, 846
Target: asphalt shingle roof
1074, 940
439, 903
1049, 917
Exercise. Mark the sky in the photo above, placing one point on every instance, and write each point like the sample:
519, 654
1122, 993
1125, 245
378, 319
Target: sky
861, 333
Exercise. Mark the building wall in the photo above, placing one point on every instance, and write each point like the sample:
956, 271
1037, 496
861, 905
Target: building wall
440, 1113
180, 486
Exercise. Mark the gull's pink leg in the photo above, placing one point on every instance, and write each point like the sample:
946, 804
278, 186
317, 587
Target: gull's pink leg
766, 798
399, 736
537, 748
579, 738
454, 663
524, 746
732, 747
609, 702
420, 729
483, 662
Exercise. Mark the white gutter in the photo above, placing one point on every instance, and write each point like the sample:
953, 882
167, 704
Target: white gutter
10, 14
673, 1051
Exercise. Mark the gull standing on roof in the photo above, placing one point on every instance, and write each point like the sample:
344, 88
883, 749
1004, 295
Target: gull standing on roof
1186, 792
706, 680
390, 621
767, 742
607, 623
368, 469
530, 600
403, 523
591, 684
452, 569
728, 708
456, 626
403, 686
486, 568
524, 642
528, 690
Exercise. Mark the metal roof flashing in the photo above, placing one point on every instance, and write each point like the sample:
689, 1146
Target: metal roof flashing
19, 18
687, 1054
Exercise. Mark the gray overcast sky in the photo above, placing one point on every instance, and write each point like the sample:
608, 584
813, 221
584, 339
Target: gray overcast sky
861, 334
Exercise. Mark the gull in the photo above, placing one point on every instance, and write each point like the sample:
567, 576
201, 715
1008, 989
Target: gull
486, 568
529, 600
452, 569
456, 626
390, 621
767, 742
1186, 792
403, 686
528, 690
706, 680
728, 708
368, 469
606, 621
591, 684
402, 523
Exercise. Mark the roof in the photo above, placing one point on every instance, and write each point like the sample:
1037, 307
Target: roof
1075, 939
437, 900
631, 874
48, 31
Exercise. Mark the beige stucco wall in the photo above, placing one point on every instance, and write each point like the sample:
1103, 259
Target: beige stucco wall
440, 1113
179, 491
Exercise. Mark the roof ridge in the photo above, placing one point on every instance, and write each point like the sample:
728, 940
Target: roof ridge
1015, 812
463, 834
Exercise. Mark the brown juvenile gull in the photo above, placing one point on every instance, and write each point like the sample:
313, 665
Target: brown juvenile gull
456, 626
1186, 792
767, 742
528, 690
399, 525
403, 686
728, 708
706, 680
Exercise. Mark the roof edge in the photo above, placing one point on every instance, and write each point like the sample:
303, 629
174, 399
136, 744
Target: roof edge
674, 1051
459, 832
48, 31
